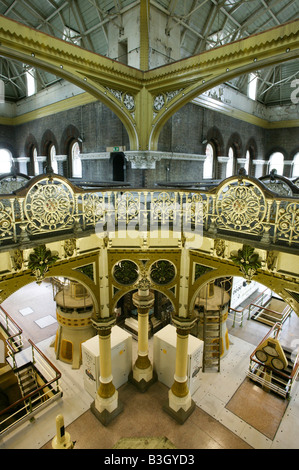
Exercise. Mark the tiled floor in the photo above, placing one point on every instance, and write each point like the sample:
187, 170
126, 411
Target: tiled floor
211, 426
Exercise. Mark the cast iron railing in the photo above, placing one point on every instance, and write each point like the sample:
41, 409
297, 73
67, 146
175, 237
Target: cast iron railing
239, 205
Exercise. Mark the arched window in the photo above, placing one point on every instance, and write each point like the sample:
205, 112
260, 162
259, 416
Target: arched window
295, 172
5, 161
53, 160
230, 163
276, 162
247, 163
76, 161
35, 162
209, 162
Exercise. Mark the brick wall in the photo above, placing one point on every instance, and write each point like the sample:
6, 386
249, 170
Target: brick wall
183, 133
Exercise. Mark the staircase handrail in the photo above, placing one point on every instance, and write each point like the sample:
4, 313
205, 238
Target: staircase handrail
29, 395
276, 327
241, 312
9, 340
285, 314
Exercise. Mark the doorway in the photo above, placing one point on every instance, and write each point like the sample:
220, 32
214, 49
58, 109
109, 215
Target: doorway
118, 166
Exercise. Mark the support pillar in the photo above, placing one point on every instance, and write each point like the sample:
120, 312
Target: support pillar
143, 374
180, 404
106, 405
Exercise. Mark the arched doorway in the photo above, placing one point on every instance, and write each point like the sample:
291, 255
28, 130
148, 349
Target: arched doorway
118, 166
159, 315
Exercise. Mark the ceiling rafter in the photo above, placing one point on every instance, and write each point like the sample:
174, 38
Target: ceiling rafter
197, 19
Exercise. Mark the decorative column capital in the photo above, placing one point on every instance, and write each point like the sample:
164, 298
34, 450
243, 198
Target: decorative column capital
104, 325
183, 324
143, 299
143, 160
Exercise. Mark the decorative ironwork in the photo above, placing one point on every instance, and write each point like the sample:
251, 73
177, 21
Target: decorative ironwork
129, 101
87, 270
94, 208
247, 260
40, 261
200, 270
70, 247
162, 272
125, 272
241, 206
49, 206
159, 102
17, 259
11, 182
195, 209
163, 207
6, 220
288, 222
127, 207
279, 187
219, 247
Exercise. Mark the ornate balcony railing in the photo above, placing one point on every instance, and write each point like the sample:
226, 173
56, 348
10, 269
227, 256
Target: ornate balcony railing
240, 205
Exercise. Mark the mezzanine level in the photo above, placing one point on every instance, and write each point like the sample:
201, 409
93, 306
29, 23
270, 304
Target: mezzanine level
50, 206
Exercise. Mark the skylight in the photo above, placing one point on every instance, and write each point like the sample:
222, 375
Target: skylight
71, 35
30, 81
252, 86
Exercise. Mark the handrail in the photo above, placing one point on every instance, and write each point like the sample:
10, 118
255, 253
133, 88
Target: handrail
285, 313
45, 358
277, 327
47, 384
241, 312
221, 209
11, 319
10, 340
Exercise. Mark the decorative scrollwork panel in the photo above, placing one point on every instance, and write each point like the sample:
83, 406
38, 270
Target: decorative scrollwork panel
6, 220
94, 208
241, 207
164, 207
49, 206
195, 209
287, 222
127, 207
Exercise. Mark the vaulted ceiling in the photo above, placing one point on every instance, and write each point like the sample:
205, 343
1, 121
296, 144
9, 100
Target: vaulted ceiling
204, 24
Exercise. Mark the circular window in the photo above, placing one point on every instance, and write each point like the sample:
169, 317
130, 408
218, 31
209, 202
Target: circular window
125, 272
162, 272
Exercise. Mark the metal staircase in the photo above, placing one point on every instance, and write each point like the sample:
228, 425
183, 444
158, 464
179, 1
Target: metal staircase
28, 383
212, 340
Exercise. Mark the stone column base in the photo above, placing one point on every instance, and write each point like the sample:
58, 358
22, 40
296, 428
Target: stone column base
179, 408
106, 409
142, 378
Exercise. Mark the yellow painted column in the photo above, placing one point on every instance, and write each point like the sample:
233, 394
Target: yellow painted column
142, 361
106, 388
106, 405
179, 387
180, 404
143, 374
